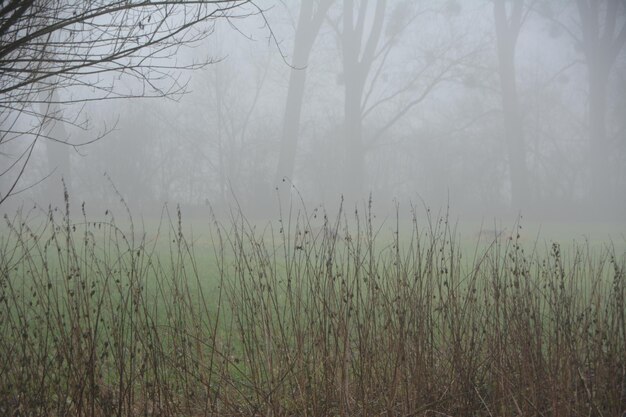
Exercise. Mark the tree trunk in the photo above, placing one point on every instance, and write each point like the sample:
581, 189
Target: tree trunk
354, 153
514, 132
602, 41
599, 148
359, 52
507, 31
309, 23
291, 122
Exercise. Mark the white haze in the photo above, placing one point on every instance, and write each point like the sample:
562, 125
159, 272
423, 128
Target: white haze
219, 143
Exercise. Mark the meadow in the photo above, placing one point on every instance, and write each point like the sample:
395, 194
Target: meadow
310, 315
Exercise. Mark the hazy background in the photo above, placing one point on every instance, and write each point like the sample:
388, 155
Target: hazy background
412, 102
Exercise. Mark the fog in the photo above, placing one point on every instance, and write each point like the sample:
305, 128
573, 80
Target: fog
490, 110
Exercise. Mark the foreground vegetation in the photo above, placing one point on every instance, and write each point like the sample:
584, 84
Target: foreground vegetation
311, 317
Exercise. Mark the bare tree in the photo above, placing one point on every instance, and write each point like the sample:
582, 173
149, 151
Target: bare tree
86, 49
602, 38
508, 25
369, 33
312, 14
359, 49
598, 31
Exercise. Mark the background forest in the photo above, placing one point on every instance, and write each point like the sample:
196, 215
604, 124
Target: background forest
491, 107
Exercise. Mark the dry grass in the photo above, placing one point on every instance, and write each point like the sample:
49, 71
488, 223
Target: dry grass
300, 320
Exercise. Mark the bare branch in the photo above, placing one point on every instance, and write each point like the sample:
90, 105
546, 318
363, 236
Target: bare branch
76, 46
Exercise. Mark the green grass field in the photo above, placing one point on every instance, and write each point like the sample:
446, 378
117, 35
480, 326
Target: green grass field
310, 315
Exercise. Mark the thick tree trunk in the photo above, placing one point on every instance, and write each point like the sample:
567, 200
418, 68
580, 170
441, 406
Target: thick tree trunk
599, 151
353, 142
309, 23
514, 132
293, 114
602, 40
359, 52
507, 31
